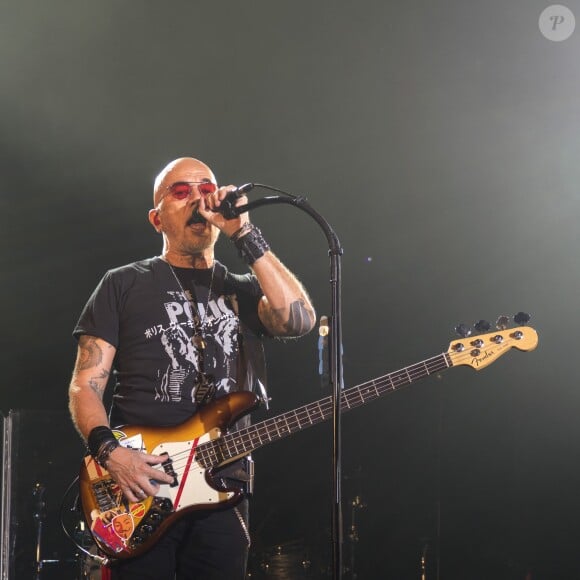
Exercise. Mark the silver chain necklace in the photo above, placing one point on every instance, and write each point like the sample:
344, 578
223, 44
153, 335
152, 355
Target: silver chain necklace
197, 337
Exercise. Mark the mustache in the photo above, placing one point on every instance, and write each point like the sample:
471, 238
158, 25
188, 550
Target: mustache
196, 218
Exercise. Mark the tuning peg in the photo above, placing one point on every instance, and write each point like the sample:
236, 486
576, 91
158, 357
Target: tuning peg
463, 330
522, 318
482, 326
502, 322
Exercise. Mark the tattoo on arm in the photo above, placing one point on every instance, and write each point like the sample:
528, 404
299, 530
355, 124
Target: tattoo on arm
99, 383
91, 354
300, 319
91, 357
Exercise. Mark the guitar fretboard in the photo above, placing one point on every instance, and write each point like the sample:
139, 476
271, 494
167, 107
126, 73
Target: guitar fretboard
244, 441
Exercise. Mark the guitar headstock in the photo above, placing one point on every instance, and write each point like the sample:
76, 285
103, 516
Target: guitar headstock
481, 350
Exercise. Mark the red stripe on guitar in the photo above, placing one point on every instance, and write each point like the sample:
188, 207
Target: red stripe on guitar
185, 473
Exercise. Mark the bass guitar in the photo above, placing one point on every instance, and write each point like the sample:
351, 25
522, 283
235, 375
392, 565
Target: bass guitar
196, 448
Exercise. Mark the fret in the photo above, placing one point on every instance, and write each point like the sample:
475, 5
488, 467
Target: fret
399, 379
298, 421
212, 452
320, 411
276, 425
414, 372
364, 393
207, 455
232, 443
267, 433
344, 401
283, 417
201, 456
244, 441
257, 433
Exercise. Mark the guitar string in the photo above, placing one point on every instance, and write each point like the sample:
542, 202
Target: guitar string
294, 419
272, 429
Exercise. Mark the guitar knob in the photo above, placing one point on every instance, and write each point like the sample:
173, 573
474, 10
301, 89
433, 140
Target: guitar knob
522, 318
164, 504
502, 322
482, 326
463, 330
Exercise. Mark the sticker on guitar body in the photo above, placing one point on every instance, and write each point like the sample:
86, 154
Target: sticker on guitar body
116, 522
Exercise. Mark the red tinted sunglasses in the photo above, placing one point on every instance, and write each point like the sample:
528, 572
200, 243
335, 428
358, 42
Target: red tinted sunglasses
184, 189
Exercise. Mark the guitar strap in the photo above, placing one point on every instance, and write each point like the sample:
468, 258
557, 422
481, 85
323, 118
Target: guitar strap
252, 365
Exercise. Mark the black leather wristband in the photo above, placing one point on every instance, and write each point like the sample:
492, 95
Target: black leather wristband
251, 245
101, 442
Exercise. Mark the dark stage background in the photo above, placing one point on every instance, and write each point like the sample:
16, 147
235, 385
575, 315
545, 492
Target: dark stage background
441, 141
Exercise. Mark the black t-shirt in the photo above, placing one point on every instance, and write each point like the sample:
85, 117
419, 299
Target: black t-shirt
143, 311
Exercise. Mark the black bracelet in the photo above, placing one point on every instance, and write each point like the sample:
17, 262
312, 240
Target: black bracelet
105, 451
243, 230
252, 245
101, 442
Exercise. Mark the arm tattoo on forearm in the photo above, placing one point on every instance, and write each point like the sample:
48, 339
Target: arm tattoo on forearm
99, 383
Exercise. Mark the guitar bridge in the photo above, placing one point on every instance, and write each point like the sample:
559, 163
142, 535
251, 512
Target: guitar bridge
106, 494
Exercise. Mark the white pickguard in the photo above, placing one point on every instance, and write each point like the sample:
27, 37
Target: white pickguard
193, 488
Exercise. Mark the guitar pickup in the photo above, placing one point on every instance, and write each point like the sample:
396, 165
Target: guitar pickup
104, 494
168, 468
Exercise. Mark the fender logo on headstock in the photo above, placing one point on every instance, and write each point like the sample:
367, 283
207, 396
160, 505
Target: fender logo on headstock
479, 360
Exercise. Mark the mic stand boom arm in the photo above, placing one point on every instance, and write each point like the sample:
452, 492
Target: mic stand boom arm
335, 365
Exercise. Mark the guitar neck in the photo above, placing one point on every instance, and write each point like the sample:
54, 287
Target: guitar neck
244, 441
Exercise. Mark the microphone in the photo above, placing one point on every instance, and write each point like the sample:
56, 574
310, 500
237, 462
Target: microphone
228, 205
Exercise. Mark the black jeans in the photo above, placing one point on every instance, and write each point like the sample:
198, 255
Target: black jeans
211, 546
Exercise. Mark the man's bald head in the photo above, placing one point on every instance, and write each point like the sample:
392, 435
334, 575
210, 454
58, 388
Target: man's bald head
182, 169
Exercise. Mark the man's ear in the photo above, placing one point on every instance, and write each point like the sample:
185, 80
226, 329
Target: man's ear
154, 219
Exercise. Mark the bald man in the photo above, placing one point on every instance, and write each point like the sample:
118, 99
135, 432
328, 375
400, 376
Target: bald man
180, 331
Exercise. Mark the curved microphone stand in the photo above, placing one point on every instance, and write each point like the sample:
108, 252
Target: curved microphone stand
335, 352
